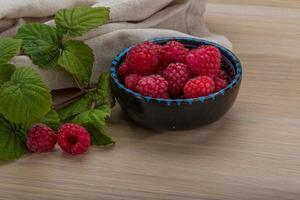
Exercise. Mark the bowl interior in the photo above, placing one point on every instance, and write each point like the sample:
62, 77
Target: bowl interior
230, 64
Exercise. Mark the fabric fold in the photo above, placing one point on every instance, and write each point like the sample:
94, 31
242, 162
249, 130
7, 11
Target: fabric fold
131, 22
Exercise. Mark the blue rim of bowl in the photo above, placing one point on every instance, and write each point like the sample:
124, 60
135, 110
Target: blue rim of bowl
227, 55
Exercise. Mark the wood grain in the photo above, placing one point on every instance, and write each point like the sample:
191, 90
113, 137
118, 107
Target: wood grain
252, 153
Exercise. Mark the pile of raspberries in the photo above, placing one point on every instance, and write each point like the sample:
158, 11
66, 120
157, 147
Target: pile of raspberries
173, 71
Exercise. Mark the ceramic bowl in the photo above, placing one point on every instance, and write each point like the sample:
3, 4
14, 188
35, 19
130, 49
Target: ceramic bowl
179, 114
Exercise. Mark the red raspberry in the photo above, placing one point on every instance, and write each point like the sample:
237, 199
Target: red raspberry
177, 74
222, 75
123, 71
142, 59
154, 86
154, 46
41, 138
173, 52
198, 87
132, 80
204, 61
165, 96
73, 139
220, 84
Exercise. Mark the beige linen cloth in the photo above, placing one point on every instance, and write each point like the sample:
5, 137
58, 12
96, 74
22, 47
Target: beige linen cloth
132, 21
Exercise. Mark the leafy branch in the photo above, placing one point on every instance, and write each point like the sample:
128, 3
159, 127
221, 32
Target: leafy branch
50, 47
25, 99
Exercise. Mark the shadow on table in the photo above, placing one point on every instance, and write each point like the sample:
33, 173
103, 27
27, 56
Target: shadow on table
123, 126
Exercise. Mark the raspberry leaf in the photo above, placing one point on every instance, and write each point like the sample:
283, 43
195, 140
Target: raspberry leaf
51, 119
25, 98
9, 48
81, 105
41, 43
77, 58
6, 71
80, 20
12, 140
94, 121
104, 90
98, 135
93, 116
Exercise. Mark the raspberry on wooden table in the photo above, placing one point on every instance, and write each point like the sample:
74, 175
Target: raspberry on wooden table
41, 138
73, 139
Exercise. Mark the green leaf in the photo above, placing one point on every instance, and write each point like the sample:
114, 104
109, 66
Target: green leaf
104, 90
51, 119
93, 116
80, 20
9, 47
25, 98
79, 106
77, 58
12, 140
41, 43
98, 135
94, 121
6, 71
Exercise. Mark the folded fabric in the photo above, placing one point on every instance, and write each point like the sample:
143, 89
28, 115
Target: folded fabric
132, 21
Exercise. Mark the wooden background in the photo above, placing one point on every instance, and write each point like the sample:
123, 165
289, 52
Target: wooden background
252, 153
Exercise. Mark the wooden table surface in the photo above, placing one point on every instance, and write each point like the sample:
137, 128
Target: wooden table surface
252, 153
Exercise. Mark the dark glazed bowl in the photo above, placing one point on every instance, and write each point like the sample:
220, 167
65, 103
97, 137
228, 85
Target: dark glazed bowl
179, 114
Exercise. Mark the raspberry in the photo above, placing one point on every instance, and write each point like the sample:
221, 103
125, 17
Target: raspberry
73, 139
204, 61
154, 46
177, 75
222, 75
41, 138
142, 59
154, 86
199, 86
220, 84
173, 52
123, 71
165, 96
132, 80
